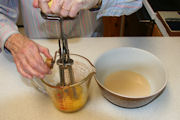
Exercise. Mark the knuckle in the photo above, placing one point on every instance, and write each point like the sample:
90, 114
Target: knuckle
28, 76
72, 14
45, 49
53, 10
45, 11
15, 60
43, 0
64, 14
34, 65
35, 74
45, 69
28, 70
19, 70
41, 76
24, 51
31, 45
79, 3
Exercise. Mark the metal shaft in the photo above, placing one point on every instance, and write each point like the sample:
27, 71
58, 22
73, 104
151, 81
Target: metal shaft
64, 56
64, 60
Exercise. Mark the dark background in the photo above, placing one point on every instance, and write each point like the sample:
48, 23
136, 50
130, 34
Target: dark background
165, 5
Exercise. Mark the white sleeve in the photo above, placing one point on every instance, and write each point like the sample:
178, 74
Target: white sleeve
8, 18
118, 7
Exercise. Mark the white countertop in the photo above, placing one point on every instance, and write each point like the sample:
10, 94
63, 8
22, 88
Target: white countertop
20, 101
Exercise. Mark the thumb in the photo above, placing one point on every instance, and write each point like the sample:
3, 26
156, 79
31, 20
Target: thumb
35, 4
45, 51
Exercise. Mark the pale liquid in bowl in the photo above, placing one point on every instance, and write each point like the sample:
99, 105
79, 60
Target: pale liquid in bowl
128, 83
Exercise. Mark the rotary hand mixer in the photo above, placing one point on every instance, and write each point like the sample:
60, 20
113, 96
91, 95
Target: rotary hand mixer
64, 61
68, 88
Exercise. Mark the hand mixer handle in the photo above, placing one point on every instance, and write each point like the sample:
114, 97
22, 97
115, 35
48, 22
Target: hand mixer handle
54, 17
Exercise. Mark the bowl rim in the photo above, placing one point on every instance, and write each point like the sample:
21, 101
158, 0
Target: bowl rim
134, 97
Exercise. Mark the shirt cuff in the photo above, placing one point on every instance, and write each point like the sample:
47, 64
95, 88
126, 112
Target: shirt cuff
5, 37
118, 7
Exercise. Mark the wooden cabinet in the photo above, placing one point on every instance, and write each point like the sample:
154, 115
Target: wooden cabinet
113, 26
130, 26
127, 26
156, 31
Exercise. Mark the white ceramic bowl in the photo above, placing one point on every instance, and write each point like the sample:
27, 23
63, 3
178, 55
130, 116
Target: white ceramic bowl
131, 59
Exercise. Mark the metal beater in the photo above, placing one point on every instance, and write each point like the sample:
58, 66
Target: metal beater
64, 61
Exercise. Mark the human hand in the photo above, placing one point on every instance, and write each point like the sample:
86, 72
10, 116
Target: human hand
64, 8
26, 55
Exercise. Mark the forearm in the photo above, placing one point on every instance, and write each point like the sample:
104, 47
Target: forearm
15, 42
118, 7
7, 28
8, 18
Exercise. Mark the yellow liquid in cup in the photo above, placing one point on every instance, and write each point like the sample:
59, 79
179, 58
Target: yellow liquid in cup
69, 99
128, 83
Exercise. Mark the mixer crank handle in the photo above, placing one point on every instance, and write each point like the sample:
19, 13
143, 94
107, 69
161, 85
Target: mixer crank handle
54, 17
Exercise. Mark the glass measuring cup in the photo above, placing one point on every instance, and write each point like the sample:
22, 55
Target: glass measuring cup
71, 97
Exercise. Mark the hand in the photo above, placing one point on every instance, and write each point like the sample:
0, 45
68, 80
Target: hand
64, 8
26, 55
